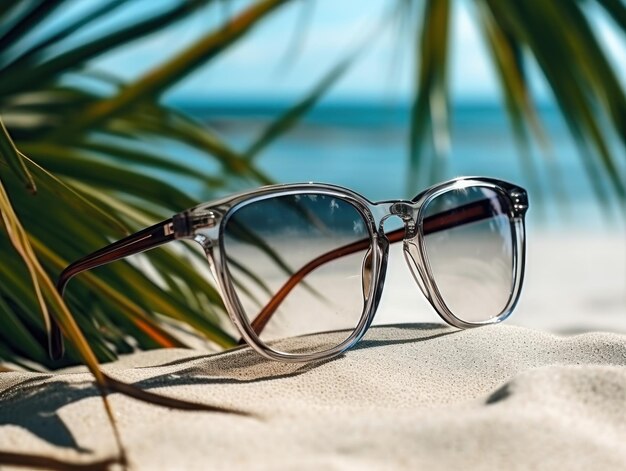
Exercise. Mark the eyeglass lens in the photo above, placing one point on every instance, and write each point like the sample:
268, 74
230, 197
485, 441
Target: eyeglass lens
268, 241
471, 263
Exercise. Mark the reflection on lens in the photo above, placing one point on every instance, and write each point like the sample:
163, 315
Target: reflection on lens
283, 255
468, 239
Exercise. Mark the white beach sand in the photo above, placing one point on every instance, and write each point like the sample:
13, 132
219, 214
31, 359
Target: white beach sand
574, 283
411, 396
414, 396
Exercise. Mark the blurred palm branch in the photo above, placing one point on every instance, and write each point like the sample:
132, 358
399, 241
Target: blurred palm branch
83, 163
559, 38
84, 158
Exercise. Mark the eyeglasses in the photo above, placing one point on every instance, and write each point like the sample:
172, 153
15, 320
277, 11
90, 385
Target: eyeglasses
298, 259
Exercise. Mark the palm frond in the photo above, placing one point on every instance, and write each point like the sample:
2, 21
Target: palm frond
152, 84
293, 114
567, 52
558, 36
429, 112
98, 181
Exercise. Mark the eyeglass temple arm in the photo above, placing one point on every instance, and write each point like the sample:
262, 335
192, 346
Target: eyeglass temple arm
465, 214
145, 239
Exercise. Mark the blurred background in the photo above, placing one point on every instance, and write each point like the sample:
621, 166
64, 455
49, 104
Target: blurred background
143, 108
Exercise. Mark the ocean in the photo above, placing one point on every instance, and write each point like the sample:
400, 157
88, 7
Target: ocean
364, 146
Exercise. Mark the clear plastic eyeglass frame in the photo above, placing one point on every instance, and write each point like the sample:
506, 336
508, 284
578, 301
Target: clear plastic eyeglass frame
205, 224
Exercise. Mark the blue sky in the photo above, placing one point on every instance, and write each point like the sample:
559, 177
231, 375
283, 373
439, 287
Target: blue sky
260, 66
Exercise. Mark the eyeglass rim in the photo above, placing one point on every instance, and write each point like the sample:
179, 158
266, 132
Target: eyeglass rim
518, 239
221, 273
194, 222
213, 241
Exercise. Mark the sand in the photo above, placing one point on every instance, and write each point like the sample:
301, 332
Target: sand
574, 283
418, 396
546, 390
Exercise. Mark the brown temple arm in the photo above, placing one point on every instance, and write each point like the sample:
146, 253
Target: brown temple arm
465, 214
146, 239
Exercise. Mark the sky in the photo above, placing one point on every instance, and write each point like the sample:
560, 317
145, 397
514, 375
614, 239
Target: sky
274, 62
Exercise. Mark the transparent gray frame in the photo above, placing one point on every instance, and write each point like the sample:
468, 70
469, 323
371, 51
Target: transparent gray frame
205, 224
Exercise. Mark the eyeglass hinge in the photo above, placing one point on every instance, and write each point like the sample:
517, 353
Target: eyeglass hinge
184, 224
520, 202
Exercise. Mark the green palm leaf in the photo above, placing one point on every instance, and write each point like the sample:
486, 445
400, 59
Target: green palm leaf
559, 37
429, 113
107, 177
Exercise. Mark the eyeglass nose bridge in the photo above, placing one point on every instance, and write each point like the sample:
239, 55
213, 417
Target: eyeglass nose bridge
406, 211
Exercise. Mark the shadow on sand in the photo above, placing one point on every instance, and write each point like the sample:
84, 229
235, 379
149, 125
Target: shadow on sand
34, 403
